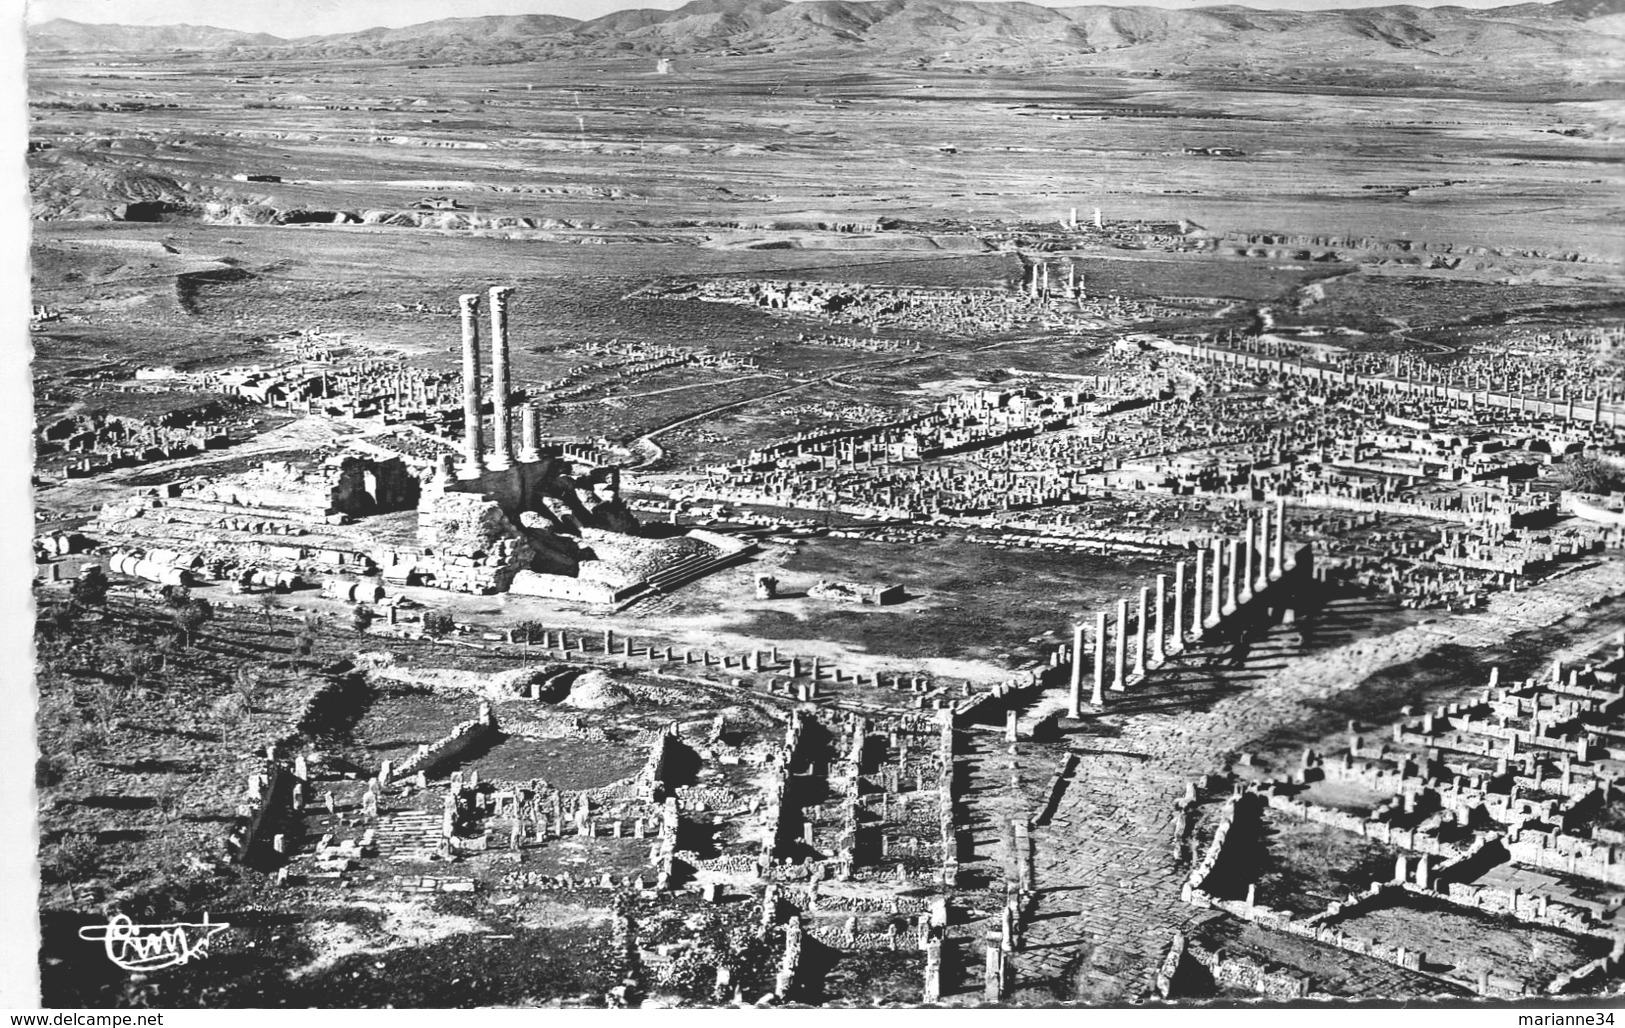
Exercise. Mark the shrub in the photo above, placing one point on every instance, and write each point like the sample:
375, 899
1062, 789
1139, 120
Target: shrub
1594, 475
90, 588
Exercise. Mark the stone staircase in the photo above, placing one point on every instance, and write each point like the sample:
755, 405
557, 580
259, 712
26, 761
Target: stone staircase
407, 834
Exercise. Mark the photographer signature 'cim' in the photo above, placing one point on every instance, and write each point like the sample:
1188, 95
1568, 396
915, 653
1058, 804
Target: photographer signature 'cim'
135, 947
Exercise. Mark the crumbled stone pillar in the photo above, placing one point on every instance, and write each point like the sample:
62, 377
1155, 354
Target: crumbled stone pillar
993, 988
530, 432
933, 971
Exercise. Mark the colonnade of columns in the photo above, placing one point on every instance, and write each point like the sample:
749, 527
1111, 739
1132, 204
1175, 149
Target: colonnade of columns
475, 458
1236, 573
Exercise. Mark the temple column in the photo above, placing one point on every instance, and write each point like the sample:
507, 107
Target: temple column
501, 426
529, 433
473, 448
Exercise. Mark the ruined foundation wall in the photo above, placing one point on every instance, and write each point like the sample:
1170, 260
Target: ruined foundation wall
459, 740
361, 486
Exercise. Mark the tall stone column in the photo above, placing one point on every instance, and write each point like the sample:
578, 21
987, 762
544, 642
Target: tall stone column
1139, 630
1249, 543
1216, 608
473, 448
1159, 649
1263, 544
1075, 696
1232, 598
1196, 595
501, 388
1280, 535
529, 433
1099, 697
1120, 647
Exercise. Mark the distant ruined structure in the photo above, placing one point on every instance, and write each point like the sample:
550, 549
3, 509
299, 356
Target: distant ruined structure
498, 515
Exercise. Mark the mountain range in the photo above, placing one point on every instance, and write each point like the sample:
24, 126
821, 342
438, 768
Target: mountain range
1576, 34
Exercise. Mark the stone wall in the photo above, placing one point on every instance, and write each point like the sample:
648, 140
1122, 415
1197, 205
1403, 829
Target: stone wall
945, 794
461, 738
1238, 972
790, 963
275, 805
564, 587
359, 486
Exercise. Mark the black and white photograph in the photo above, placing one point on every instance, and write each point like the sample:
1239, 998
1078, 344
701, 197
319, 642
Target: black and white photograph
773, 504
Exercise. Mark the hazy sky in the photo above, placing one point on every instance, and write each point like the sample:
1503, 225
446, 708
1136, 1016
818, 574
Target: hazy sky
311, 17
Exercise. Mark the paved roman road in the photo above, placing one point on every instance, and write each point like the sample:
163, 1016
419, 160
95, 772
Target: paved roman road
1107, 867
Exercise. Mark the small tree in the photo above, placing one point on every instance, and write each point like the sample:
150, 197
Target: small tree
1594, 475
247, 683
75, 859
103, 708
136, 660
176, 597
162, 647
268, 604
90, 588
437, 624
305, 642
529, 632
362, 617
192, 616
53, 620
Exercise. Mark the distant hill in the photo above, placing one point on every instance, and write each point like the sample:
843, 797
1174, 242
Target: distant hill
493, 29
1565, 32
62, 34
